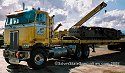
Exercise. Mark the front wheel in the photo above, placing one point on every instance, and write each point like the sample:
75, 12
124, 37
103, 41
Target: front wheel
37, 59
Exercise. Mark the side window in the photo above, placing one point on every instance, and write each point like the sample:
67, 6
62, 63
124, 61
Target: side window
13, 21
7, 21
41, 19
29, 16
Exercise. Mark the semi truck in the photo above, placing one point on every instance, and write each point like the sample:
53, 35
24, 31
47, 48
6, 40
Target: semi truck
28, 36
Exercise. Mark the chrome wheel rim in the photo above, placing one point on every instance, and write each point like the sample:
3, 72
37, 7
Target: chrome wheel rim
87, 52
79, 53
39, 59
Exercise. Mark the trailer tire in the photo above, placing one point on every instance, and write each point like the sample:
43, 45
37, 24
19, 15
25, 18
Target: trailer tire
110, 47
37, 59
113, 47
85, 51
122, 48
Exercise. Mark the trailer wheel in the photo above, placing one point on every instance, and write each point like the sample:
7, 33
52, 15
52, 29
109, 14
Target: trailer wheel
37, 59
85, 51
122, 47
110, 47
113, 47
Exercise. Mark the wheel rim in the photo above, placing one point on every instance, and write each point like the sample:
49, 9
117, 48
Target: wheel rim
39, 59
87, 52
79, 53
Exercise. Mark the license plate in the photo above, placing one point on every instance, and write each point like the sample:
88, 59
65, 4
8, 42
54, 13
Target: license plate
14, 61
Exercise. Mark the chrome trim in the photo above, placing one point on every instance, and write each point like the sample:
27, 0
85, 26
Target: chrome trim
39, 59
14, 40
12, 54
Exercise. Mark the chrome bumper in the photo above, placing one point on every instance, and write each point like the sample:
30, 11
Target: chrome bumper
17, 55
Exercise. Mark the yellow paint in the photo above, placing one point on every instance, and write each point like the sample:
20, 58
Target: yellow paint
25, 35
28, 35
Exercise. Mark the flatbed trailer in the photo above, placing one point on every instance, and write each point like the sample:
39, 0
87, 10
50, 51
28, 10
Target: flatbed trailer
111, 44
106, 42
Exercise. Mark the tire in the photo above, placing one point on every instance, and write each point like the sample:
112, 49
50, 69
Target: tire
122, 48
78, 53
85, 52
37, 59
110, 47
113, 47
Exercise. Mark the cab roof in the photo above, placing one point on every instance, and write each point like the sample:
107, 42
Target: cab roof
20, 12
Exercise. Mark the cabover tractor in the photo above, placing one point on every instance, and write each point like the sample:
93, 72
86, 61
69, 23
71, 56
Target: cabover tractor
29, 36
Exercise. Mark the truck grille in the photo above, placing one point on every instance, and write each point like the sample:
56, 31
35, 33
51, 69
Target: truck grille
14, 43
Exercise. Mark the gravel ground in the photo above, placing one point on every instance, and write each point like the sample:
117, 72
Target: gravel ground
103, 61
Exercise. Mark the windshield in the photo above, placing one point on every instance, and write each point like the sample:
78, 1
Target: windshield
41, 19
22, 18
26, 17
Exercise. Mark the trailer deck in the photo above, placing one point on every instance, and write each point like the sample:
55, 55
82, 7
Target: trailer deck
54, 41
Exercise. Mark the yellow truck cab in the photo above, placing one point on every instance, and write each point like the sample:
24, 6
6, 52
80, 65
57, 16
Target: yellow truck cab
24, 29
22, 25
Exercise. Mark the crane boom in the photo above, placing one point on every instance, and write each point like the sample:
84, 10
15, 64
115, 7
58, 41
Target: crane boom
90, 14
57, 27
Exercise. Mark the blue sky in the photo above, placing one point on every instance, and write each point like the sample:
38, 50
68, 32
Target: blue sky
113, 18
116, 4
68, 12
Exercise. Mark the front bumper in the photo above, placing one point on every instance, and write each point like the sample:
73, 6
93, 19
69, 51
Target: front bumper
14, 56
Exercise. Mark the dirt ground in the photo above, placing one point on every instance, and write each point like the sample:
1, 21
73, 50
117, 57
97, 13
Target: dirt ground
102, 61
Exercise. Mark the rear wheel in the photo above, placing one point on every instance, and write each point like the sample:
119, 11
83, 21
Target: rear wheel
37, 59
78, 53
110, 47
85, 51
82, 52
122, 47
113, 47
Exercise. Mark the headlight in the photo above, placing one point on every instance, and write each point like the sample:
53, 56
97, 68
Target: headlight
25, 46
